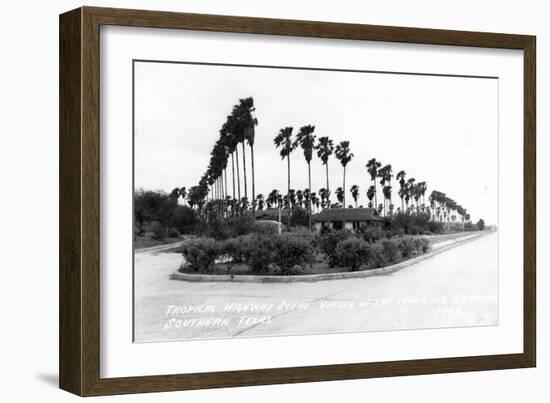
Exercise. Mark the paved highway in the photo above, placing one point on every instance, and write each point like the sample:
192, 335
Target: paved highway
458, 287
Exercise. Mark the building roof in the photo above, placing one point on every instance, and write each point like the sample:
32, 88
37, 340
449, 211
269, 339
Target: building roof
347, 214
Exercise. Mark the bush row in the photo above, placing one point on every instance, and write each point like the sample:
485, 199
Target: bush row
258, 251
342, 248
285, 252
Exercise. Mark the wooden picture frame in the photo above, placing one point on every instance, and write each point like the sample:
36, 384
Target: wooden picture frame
79, 346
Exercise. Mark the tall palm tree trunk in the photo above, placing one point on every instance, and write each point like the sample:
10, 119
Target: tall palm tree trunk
238, 176
389, 198
224, 201
288, 179
253, 182
344, 198
328, 188
309, 190
225, 198
218, 195
233, 177
288, 188
233, 172
244, 173
344, 188
375, 196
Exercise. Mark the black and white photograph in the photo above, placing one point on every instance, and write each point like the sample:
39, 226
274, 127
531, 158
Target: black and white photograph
275, 201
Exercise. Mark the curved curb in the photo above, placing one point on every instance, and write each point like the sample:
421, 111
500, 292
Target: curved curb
311, 278
160, 248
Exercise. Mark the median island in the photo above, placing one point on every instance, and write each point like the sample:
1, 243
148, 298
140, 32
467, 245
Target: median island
299, 252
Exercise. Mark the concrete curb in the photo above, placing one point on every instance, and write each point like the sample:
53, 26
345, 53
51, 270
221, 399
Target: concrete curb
160, 248
310, 278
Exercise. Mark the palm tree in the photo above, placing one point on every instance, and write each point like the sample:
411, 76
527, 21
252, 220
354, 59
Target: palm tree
323, 194
272, 198
238, 130
386, 191
228, 140
230, 129
325, 148
307, 198
306, 140
372, 168
286, 203
422, 188
292, 199
355, 193
370, 195
385, 175
410, 190
284, 141
300, 197
315, 200
340, 195
260, 201
401, 177
175, 194
248, 123
344, 155
183, 193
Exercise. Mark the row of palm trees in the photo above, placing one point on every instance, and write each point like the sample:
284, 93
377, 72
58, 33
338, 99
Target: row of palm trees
443, 208
239, 130
307, 141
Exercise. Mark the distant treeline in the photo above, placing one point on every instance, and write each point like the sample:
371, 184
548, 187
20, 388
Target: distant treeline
160, 214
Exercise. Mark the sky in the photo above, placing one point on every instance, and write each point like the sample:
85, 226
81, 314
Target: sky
442, 130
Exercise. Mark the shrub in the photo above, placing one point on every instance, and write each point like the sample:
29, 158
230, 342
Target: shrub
422, 245
257, 251
352, 252
225, 228
292, 251
218, 229
377, 257
409, 246
406, 246
232, 249
184, 219
328, 242
371, 235
173, 233
158, 230
201, 253
150, 206
412, 224
266, 227
299, 217
241, 225
390, 250
480, 224
325, 229
435, 227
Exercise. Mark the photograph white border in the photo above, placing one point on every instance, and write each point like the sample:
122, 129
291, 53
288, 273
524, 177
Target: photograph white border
120, 357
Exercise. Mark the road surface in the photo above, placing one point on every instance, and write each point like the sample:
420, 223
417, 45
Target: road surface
456, 288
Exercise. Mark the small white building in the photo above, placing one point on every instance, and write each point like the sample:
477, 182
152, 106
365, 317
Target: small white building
352, 219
